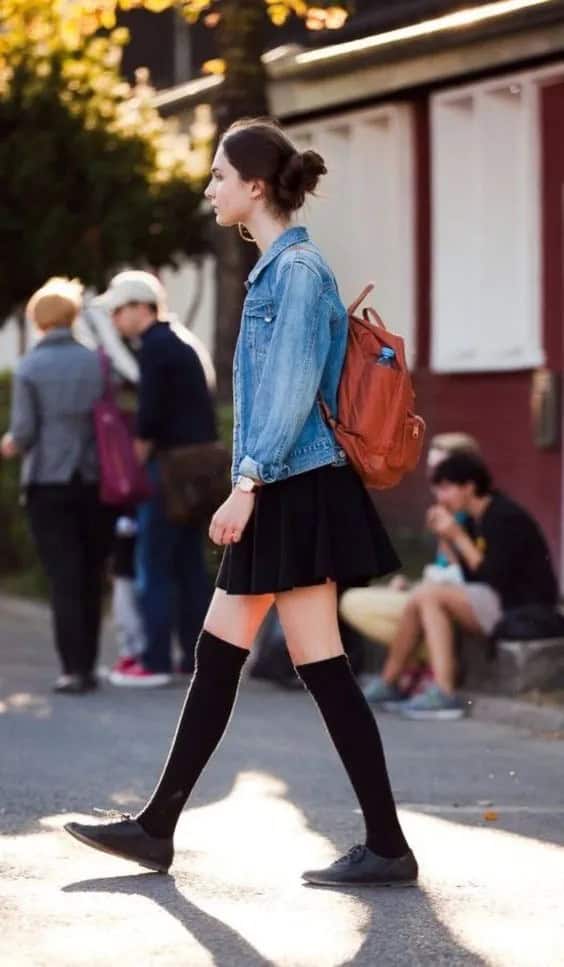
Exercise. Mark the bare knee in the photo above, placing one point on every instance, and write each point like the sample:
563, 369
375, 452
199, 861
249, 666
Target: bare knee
415, 603
426, 595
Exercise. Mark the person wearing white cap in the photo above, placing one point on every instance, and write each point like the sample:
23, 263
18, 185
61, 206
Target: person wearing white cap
175, 410
134, 287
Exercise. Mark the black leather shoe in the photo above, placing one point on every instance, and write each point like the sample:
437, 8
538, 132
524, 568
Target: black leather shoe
70, 685
126, 839
361, 867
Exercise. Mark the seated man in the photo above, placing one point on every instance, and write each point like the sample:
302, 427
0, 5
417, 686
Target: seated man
376, 611
506, 564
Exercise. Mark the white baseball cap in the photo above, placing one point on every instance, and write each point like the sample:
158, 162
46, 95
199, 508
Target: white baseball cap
133, 286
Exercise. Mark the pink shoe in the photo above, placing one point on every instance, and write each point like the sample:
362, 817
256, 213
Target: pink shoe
136, 676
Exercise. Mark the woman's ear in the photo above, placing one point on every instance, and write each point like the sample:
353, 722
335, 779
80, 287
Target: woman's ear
258, 189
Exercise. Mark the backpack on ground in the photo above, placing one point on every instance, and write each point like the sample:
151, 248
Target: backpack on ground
375, 423
530, 622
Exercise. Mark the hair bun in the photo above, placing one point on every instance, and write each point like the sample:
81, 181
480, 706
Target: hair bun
299, 175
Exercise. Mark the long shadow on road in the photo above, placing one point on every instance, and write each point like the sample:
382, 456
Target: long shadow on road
213, 934
66, 755
418, 932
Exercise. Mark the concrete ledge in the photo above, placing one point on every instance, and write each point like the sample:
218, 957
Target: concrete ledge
518, 666
531, 664
517, 713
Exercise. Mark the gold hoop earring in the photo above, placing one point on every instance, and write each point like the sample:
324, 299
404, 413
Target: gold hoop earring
245, 235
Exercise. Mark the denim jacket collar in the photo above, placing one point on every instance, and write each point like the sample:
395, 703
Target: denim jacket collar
291, 236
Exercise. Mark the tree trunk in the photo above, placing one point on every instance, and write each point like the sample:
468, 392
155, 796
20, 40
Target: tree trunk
243, 94
197, 291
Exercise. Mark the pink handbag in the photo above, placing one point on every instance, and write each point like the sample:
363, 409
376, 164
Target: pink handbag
123, 480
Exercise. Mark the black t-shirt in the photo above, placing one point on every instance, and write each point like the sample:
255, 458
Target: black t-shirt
175, 405
516, 557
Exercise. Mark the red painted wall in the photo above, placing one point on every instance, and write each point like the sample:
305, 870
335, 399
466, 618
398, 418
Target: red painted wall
494, 407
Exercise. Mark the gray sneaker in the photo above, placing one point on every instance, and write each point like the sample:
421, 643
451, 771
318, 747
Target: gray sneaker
377, 691
432, 704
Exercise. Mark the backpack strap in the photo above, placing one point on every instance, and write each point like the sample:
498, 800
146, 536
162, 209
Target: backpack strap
370, 315
329, 418
366, 291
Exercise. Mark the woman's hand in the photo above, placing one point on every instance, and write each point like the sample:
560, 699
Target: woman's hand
229, 522
8, 447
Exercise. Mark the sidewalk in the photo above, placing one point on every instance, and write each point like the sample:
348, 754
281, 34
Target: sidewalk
273, 802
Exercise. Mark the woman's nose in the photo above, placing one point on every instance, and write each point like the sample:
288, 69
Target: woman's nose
208, 192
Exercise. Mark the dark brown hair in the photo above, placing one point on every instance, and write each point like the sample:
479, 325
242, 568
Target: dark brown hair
463, 468
258, 148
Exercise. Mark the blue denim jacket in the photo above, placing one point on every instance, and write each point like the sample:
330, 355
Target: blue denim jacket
291, 344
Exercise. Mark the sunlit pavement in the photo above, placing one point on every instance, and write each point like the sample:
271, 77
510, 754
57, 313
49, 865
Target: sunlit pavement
273, 802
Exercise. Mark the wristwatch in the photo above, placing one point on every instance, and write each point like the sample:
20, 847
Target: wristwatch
247, 484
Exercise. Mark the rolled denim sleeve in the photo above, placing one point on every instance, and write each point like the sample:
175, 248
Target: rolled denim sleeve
23, 418
292, 372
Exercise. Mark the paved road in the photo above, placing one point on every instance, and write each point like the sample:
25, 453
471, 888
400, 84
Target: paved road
273, 802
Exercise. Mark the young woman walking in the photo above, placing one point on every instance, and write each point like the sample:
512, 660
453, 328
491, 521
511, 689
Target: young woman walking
297, 521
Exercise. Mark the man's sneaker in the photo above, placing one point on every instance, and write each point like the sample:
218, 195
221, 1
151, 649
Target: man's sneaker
122, 665
378, 691
361, 867
128, 840
420, 682
432, 704
137, 676
414, 679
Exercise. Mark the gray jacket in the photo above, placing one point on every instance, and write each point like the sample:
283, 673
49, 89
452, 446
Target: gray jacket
55, 387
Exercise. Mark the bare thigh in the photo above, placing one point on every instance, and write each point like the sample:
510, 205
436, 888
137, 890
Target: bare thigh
454, 601
236, 618
309, 619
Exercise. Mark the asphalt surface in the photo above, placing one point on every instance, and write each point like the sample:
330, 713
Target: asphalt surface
273, 801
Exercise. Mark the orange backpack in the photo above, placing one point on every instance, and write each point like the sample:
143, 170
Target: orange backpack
375, 424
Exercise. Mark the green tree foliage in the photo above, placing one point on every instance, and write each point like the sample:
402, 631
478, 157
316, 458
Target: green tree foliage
92, 178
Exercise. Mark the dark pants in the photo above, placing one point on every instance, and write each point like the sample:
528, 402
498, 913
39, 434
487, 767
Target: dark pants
174, 588
72, 531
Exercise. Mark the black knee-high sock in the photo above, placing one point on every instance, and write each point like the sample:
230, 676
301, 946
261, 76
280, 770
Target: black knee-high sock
203, 721
352, 727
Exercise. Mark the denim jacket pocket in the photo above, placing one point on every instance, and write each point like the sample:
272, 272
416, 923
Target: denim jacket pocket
259, 315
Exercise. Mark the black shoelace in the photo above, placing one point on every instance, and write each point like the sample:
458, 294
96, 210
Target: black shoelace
354, 855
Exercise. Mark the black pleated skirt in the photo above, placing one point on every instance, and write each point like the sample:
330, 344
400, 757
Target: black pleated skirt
305, 530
